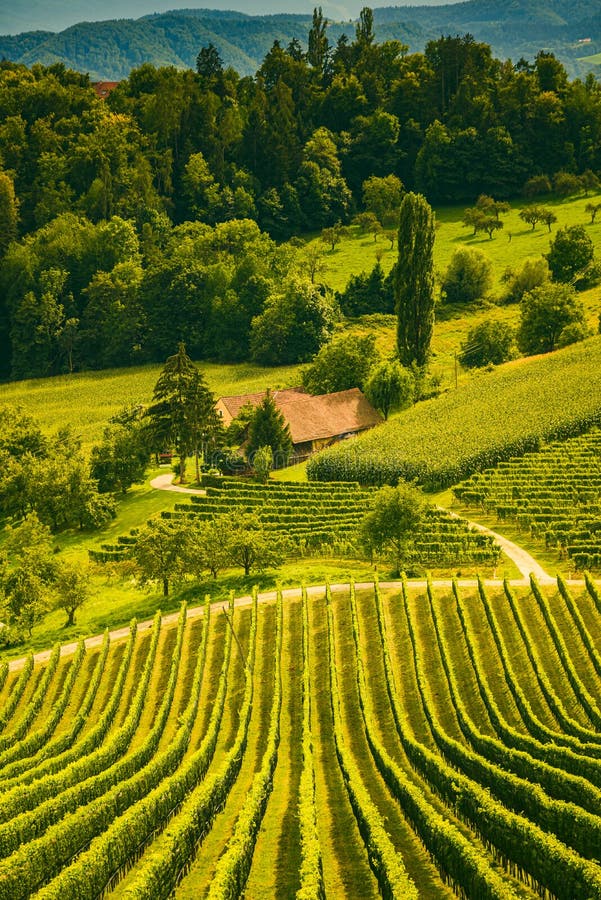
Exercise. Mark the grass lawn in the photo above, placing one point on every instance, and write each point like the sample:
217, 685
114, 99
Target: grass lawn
86, 400
359, 252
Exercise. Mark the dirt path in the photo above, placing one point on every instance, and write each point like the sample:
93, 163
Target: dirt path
266, 597
525, 563
165, 483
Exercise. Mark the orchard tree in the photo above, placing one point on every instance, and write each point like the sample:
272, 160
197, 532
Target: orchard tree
592, 209
159, 551
489, 342
482, 220
205, 547
72, 589
390, 387
391, 525
249, 544
570, 254
268, 428
468, 276
414, 280
545, 313
534, 214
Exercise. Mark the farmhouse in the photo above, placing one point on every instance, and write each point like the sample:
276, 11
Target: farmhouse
314, 422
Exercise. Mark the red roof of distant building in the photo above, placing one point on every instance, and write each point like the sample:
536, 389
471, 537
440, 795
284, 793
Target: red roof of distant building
104, 88
311, 418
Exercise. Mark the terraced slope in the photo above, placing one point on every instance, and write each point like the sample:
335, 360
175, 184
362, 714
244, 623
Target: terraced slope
310, 517
415, 742
492, 417
554, 493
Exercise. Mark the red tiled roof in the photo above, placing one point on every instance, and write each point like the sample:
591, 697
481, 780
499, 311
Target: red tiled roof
104, 88
314, 418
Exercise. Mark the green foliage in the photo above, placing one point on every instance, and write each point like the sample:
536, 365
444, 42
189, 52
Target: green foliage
268, 428
468, 276
121, 459
294, 324
565, 184
414, 281
341, 364
182, 414
263, 462
570, 254
489, 342
9, 212
544, 314
533, 273
382, 197
368, 293
390, 527
28, 573
536, 186
158, 551
438, 442
72, 587
390, 387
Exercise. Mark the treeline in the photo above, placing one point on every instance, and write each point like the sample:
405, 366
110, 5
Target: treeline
110, 205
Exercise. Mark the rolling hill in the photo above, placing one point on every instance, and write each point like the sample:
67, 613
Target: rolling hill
110, 49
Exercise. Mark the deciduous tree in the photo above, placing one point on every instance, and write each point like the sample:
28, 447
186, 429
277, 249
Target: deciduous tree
390, 526
390, 386
544, 314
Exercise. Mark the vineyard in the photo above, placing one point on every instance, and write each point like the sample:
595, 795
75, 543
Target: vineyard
554, 494
315, 517
494, 416
398, 741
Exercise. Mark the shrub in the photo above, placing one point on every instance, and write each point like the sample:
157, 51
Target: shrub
489, 342
533, 272
468, 276
536, 186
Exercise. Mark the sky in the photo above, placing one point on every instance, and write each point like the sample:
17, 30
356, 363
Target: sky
56, 15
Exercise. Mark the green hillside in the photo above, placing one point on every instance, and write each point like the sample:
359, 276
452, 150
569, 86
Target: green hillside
492, 416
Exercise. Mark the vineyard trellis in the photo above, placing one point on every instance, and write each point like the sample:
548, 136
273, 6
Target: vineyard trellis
464, 730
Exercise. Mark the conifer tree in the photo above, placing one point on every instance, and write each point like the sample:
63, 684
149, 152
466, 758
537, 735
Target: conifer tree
183, 408
414, 280
268, 428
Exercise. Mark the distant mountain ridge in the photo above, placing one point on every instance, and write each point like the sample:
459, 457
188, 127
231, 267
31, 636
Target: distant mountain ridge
110, 49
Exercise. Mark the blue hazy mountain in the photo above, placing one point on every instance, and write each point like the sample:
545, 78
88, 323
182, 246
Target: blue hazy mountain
109, 49
56, 15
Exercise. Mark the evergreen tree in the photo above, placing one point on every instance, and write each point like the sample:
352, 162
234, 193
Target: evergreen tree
183, 408
414, 280
268, 428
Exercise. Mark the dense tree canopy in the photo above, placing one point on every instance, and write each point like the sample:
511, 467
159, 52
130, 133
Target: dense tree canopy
158, 197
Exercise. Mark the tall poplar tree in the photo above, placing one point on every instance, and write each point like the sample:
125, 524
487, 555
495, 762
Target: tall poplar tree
414, 280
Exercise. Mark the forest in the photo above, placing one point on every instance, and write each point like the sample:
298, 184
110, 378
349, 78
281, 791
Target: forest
184, 193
